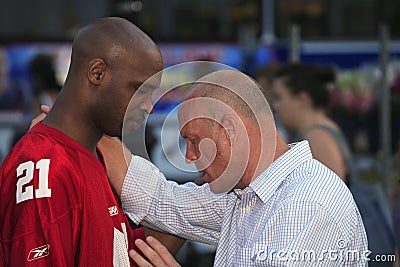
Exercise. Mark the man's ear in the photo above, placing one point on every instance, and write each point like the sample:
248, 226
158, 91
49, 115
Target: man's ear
230, 123
96, 71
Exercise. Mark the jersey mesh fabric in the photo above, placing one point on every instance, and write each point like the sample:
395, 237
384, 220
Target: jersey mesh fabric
75, 225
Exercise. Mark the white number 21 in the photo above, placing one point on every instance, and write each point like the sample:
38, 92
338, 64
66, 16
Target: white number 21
29, 168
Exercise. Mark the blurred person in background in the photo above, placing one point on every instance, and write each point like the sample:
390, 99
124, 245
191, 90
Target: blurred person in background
15, 92
44, 85
300, 98
265, 78
3, 84
3, 70
44, 81
14, 100
8, 95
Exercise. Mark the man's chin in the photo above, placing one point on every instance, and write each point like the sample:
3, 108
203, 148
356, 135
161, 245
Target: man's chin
207, 178
115, 133
119, 135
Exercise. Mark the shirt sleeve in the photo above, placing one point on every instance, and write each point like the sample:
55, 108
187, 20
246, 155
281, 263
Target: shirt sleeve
189, 211
50, 246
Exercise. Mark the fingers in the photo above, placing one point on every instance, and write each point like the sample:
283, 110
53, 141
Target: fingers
162, 251
45, 109
138, 259
37, 119
149, 252
155, 252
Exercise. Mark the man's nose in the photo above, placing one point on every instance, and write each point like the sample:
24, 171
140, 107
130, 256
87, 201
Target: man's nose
190, 156
147, 107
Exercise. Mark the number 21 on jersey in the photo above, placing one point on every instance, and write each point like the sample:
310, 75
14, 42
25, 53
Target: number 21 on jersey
25, 173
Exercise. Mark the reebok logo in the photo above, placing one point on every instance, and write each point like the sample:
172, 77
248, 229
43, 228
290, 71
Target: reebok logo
113, 210
39, 252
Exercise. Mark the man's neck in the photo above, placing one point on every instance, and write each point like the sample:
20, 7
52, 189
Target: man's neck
267, 157
73, 124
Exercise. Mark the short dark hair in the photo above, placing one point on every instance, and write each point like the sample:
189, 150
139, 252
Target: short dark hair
42, 68
311, 79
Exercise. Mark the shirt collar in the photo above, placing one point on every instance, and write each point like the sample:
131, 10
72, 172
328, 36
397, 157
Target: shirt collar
268, 182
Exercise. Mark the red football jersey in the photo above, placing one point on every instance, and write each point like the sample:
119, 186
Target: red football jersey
57, 207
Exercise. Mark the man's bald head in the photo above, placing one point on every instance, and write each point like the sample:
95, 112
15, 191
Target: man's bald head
233, 88
228, 127
111, 60
112, 39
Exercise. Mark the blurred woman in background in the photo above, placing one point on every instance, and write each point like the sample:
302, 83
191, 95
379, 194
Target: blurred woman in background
301, 96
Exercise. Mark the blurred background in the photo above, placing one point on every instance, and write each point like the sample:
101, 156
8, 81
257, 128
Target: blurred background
360, 38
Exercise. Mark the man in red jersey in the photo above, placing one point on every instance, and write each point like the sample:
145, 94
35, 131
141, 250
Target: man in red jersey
57, 208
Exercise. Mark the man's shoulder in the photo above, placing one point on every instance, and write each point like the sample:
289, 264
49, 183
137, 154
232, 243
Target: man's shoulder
324, 193
36, 145
314, 182
36, 148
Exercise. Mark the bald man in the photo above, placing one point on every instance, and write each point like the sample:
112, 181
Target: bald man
276, 205
57, 208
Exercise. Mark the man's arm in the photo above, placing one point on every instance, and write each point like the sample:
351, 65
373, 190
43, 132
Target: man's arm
188, 211
116, 155
117, 158
156, 254
171, 242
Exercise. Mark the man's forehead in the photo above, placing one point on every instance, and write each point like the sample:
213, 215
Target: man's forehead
189, 110
193, 109
200, 87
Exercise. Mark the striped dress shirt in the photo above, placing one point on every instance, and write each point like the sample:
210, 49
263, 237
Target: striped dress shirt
296, 213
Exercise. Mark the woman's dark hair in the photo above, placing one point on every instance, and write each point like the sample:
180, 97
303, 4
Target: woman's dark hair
42, 70
311, 79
